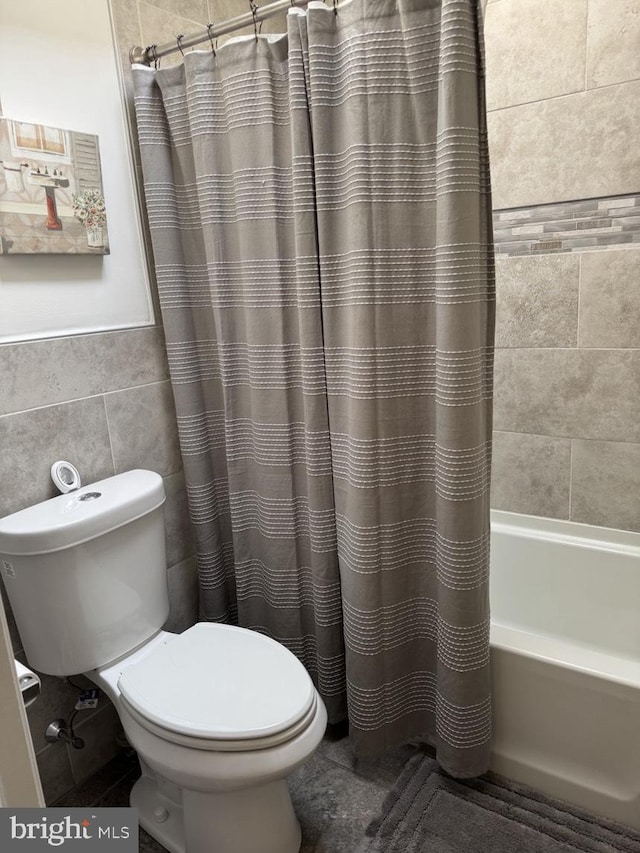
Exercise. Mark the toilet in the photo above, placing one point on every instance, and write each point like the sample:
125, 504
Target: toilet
219, 715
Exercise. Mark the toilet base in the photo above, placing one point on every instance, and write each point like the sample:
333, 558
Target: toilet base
147, 798
260, 819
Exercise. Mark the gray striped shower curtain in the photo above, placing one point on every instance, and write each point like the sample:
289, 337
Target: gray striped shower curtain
319, 205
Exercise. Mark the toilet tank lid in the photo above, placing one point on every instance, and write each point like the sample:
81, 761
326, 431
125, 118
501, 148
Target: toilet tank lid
79, 516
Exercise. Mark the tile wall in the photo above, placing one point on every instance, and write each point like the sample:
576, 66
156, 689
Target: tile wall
573, 226
103, 402
563, 88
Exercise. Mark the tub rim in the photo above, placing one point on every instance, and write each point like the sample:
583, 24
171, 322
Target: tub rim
556, 652
566, 532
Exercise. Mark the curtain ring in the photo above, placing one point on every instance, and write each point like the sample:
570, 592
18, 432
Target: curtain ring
179, 43
153, 51
209, 28
254, 12
335, 7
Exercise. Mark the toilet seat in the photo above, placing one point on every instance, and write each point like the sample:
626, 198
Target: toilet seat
227, 745
218, 684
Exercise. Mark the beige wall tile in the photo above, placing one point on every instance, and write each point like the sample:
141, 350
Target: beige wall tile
127, 34
32, 441
531, 474
569, 392
143, 429
537, 301
613, 42
610, 299
222, 10
126, 26
577, 146
605, 484
39, 373
194, 10
535, 50
159, 26
278, 24
183, 595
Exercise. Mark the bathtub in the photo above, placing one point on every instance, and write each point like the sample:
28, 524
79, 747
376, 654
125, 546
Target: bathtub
565, 656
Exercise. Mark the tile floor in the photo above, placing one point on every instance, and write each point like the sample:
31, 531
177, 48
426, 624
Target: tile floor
334, 794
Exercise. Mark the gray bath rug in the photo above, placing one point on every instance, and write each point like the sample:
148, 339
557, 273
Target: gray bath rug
429, 812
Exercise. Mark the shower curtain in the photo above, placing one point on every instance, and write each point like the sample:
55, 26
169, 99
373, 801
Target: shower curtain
320, 212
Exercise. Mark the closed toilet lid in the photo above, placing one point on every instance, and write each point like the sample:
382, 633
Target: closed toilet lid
219, 682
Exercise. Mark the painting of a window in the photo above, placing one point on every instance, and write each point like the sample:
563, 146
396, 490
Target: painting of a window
51, 194
38, 137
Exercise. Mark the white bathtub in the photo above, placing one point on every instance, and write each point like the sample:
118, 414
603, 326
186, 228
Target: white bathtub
565, 639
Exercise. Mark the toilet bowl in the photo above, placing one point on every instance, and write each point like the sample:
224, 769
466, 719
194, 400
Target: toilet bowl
219, 715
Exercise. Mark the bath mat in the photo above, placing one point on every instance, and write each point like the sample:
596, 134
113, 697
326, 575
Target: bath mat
429, 812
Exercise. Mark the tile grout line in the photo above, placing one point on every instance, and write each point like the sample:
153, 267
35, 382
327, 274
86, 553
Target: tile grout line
106, 417
565, 437
114, 785
567, 349
140, 33
586, 48
139, 20
96, 333
197, 25
579, 303
563, 95
564, 202
85, 397
570, 478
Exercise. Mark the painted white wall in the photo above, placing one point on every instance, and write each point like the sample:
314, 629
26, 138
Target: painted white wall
58, 68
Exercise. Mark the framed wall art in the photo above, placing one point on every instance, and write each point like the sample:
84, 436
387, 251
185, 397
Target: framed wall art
51, 193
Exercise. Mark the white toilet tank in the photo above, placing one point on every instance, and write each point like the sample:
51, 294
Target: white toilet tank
86, 572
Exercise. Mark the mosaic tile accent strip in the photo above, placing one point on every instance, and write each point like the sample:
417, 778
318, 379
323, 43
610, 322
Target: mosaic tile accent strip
571, 226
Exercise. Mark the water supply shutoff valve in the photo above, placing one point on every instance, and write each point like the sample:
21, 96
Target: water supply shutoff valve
57, 730
61, 729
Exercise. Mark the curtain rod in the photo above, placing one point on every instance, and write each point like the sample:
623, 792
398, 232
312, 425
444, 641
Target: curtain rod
149, 55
